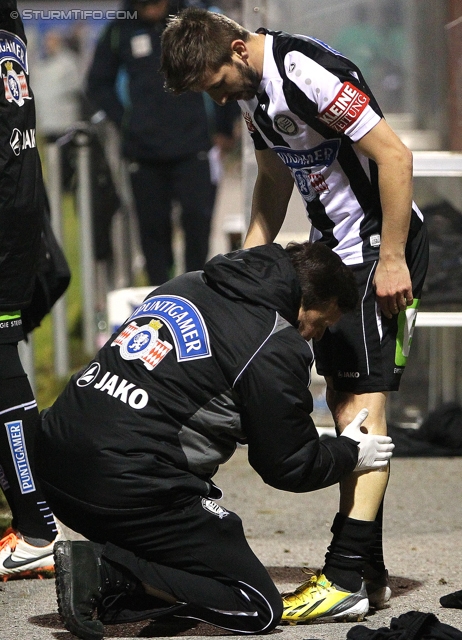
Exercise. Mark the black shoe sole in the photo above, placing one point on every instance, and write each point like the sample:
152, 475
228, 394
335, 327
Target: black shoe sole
94, 629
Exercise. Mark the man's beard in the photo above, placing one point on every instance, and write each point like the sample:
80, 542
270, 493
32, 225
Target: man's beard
250, 82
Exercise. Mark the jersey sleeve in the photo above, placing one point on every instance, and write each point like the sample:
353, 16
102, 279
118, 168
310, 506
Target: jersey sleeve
341, 103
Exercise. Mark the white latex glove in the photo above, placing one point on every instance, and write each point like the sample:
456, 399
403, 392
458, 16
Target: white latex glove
374, 452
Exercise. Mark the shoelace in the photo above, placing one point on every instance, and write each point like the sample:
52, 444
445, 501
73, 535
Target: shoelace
10, 539
311, 584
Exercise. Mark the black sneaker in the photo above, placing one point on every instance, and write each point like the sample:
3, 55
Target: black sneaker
377, 587
79, 586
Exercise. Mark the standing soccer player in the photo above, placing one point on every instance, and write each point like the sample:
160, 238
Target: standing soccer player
314, 122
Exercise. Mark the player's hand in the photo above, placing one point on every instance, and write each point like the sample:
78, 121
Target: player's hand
374, 452
393, 286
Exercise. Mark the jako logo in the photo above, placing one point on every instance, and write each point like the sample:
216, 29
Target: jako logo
214, 508
20, 140
123, 390
348, 374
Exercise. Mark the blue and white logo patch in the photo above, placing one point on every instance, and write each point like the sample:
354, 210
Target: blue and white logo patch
13, 48
15, 435
307, 166
186, 325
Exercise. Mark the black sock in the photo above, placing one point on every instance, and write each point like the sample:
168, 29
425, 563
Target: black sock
349, 551
376, 560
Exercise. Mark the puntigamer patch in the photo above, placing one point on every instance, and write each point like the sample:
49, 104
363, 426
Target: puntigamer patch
183, 319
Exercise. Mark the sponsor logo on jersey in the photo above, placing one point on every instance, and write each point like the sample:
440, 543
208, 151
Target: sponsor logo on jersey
17, 444
22, 140
214, 508
13, 48
89, 375
348, 374
114, 386
345, 109
15, 85
142, 343
249, 122
374, 240
183, 319
286, 125
307, 165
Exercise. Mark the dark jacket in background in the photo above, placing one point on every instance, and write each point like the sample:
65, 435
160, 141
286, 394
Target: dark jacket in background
210, 359
125, 82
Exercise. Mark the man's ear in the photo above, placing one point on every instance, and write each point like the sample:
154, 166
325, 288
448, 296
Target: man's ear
239, 47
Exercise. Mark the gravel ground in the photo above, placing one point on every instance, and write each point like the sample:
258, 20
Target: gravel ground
423, 523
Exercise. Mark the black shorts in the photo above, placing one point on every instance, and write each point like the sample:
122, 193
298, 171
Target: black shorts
11, 329
365, 352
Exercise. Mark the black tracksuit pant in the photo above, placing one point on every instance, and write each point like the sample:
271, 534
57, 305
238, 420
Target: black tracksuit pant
156, 185
197, 552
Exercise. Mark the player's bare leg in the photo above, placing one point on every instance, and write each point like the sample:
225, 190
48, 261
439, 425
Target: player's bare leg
356, 549
360, 493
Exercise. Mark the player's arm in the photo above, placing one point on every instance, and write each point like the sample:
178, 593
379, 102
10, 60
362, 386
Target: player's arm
392, 280
271, 195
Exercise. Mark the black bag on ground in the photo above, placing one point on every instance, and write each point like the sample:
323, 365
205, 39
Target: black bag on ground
51, 280
413, 625
443, 426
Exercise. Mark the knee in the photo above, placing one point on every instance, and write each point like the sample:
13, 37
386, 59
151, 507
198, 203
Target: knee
270, 611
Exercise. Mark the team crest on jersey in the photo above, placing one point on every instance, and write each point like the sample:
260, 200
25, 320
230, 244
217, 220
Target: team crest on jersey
15, 85
286, 125
185, 322
13, 53
307, 166
346, 107
214, 508
142, 343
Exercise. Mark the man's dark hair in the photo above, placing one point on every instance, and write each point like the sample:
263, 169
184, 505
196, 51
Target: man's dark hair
323, 276
196, 43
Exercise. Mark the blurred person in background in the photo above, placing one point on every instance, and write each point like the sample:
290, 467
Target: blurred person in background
26, 548
57, 79
166, 141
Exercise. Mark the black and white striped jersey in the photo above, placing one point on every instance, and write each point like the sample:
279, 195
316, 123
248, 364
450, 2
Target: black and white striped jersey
312, 105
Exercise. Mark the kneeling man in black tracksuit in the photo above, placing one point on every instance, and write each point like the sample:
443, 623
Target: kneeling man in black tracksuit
127, 453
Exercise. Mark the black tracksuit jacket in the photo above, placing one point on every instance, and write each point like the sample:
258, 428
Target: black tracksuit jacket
21, 183
210, 359
155, 124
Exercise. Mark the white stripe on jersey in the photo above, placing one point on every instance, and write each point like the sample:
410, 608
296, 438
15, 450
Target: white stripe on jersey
334, 190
